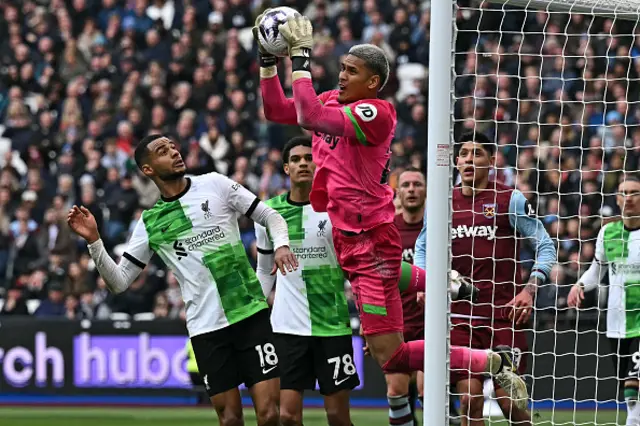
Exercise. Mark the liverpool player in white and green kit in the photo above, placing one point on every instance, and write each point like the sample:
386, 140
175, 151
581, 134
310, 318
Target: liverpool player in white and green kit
618, 250
310, 317
194, 230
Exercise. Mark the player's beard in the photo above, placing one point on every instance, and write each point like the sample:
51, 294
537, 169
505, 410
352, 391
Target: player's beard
413, 209
171, 176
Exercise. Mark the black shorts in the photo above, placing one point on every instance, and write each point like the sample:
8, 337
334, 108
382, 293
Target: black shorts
243, 352
196, 380
305, 359
624, 350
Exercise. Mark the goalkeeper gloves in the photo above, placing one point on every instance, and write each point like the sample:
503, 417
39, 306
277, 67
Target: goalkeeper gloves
462, 289
298, 32
266, 59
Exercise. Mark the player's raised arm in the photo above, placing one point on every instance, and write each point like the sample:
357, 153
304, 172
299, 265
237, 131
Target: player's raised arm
363, 74
117, 276
266, 259
277, 107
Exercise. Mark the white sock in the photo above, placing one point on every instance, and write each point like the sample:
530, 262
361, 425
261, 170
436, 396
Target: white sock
633, 414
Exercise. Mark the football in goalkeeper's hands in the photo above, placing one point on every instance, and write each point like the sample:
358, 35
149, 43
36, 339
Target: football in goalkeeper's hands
268, 33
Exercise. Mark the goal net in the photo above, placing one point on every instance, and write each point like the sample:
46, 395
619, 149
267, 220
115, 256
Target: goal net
555, 85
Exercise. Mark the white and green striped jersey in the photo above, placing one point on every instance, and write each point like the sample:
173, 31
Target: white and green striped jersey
309, 301
196, 235
619, 249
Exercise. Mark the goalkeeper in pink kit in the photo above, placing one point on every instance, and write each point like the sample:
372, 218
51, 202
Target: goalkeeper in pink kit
353, 131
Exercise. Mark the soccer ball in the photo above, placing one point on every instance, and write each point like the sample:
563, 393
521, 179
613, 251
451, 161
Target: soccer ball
268, 33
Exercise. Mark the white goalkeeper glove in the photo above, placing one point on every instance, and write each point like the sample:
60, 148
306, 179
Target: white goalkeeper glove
298, 32
461, 288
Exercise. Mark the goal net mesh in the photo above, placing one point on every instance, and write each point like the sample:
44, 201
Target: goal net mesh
555, 85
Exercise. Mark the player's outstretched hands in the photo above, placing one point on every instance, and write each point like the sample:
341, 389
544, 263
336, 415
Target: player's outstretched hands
576, 296
83, 223
285, 261
298, 32
522, 308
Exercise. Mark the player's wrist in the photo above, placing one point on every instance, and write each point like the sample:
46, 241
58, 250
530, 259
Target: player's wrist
301, 59
530, 289
532, 286
267, 60
92, 239
278, 245
268, 72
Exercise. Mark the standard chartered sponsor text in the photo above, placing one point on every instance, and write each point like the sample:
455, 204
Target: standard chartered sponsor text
204, 238
313, 252
625, 268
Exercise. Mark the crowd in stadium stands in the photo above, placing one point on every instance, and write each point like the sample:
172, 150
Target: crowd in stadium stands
81, 81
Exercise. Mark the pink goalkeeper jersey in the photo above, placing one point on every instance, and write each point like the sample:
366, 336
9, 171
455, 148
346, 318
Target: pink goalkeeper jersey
351, 174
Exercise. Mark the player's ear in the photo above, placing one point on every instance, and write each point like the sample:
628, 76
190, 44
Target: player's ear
147, 170
286, 168
374, 82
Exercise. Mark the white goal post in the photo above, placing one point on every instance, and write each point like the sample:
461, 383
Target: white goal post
515, 107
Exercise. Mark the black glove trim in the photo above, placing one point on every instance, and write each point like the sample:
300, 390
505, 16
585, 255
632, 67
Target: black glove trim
267, 61
302, 63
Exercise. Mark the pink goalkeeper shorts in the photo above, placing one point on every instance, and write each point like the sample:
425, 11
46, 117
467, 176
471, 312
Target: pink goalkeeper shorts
371, 261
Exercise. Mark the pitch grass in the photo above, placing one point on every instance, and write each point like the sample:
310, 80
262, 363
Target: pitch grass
116, 416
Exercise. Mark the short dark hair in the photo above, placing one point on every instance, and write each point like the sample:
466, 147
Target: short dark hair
629, 177
476, 137
412, 169
292, 143
141, 154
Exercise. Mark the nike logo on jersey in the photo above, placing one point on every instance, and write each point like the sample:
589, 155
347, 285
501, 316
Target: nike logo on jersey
267, 370
339, 382
465, 231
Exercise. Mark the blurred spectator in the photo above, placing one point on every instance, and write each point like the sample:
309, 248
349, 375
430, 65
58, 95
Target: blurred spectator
161, 306
72, 309
54, 304
82, 82
15, 302
56, 235
101, 300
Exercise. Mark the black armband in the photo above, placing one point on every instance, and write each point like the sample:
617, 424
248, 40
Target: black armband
267, 61
302, 63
